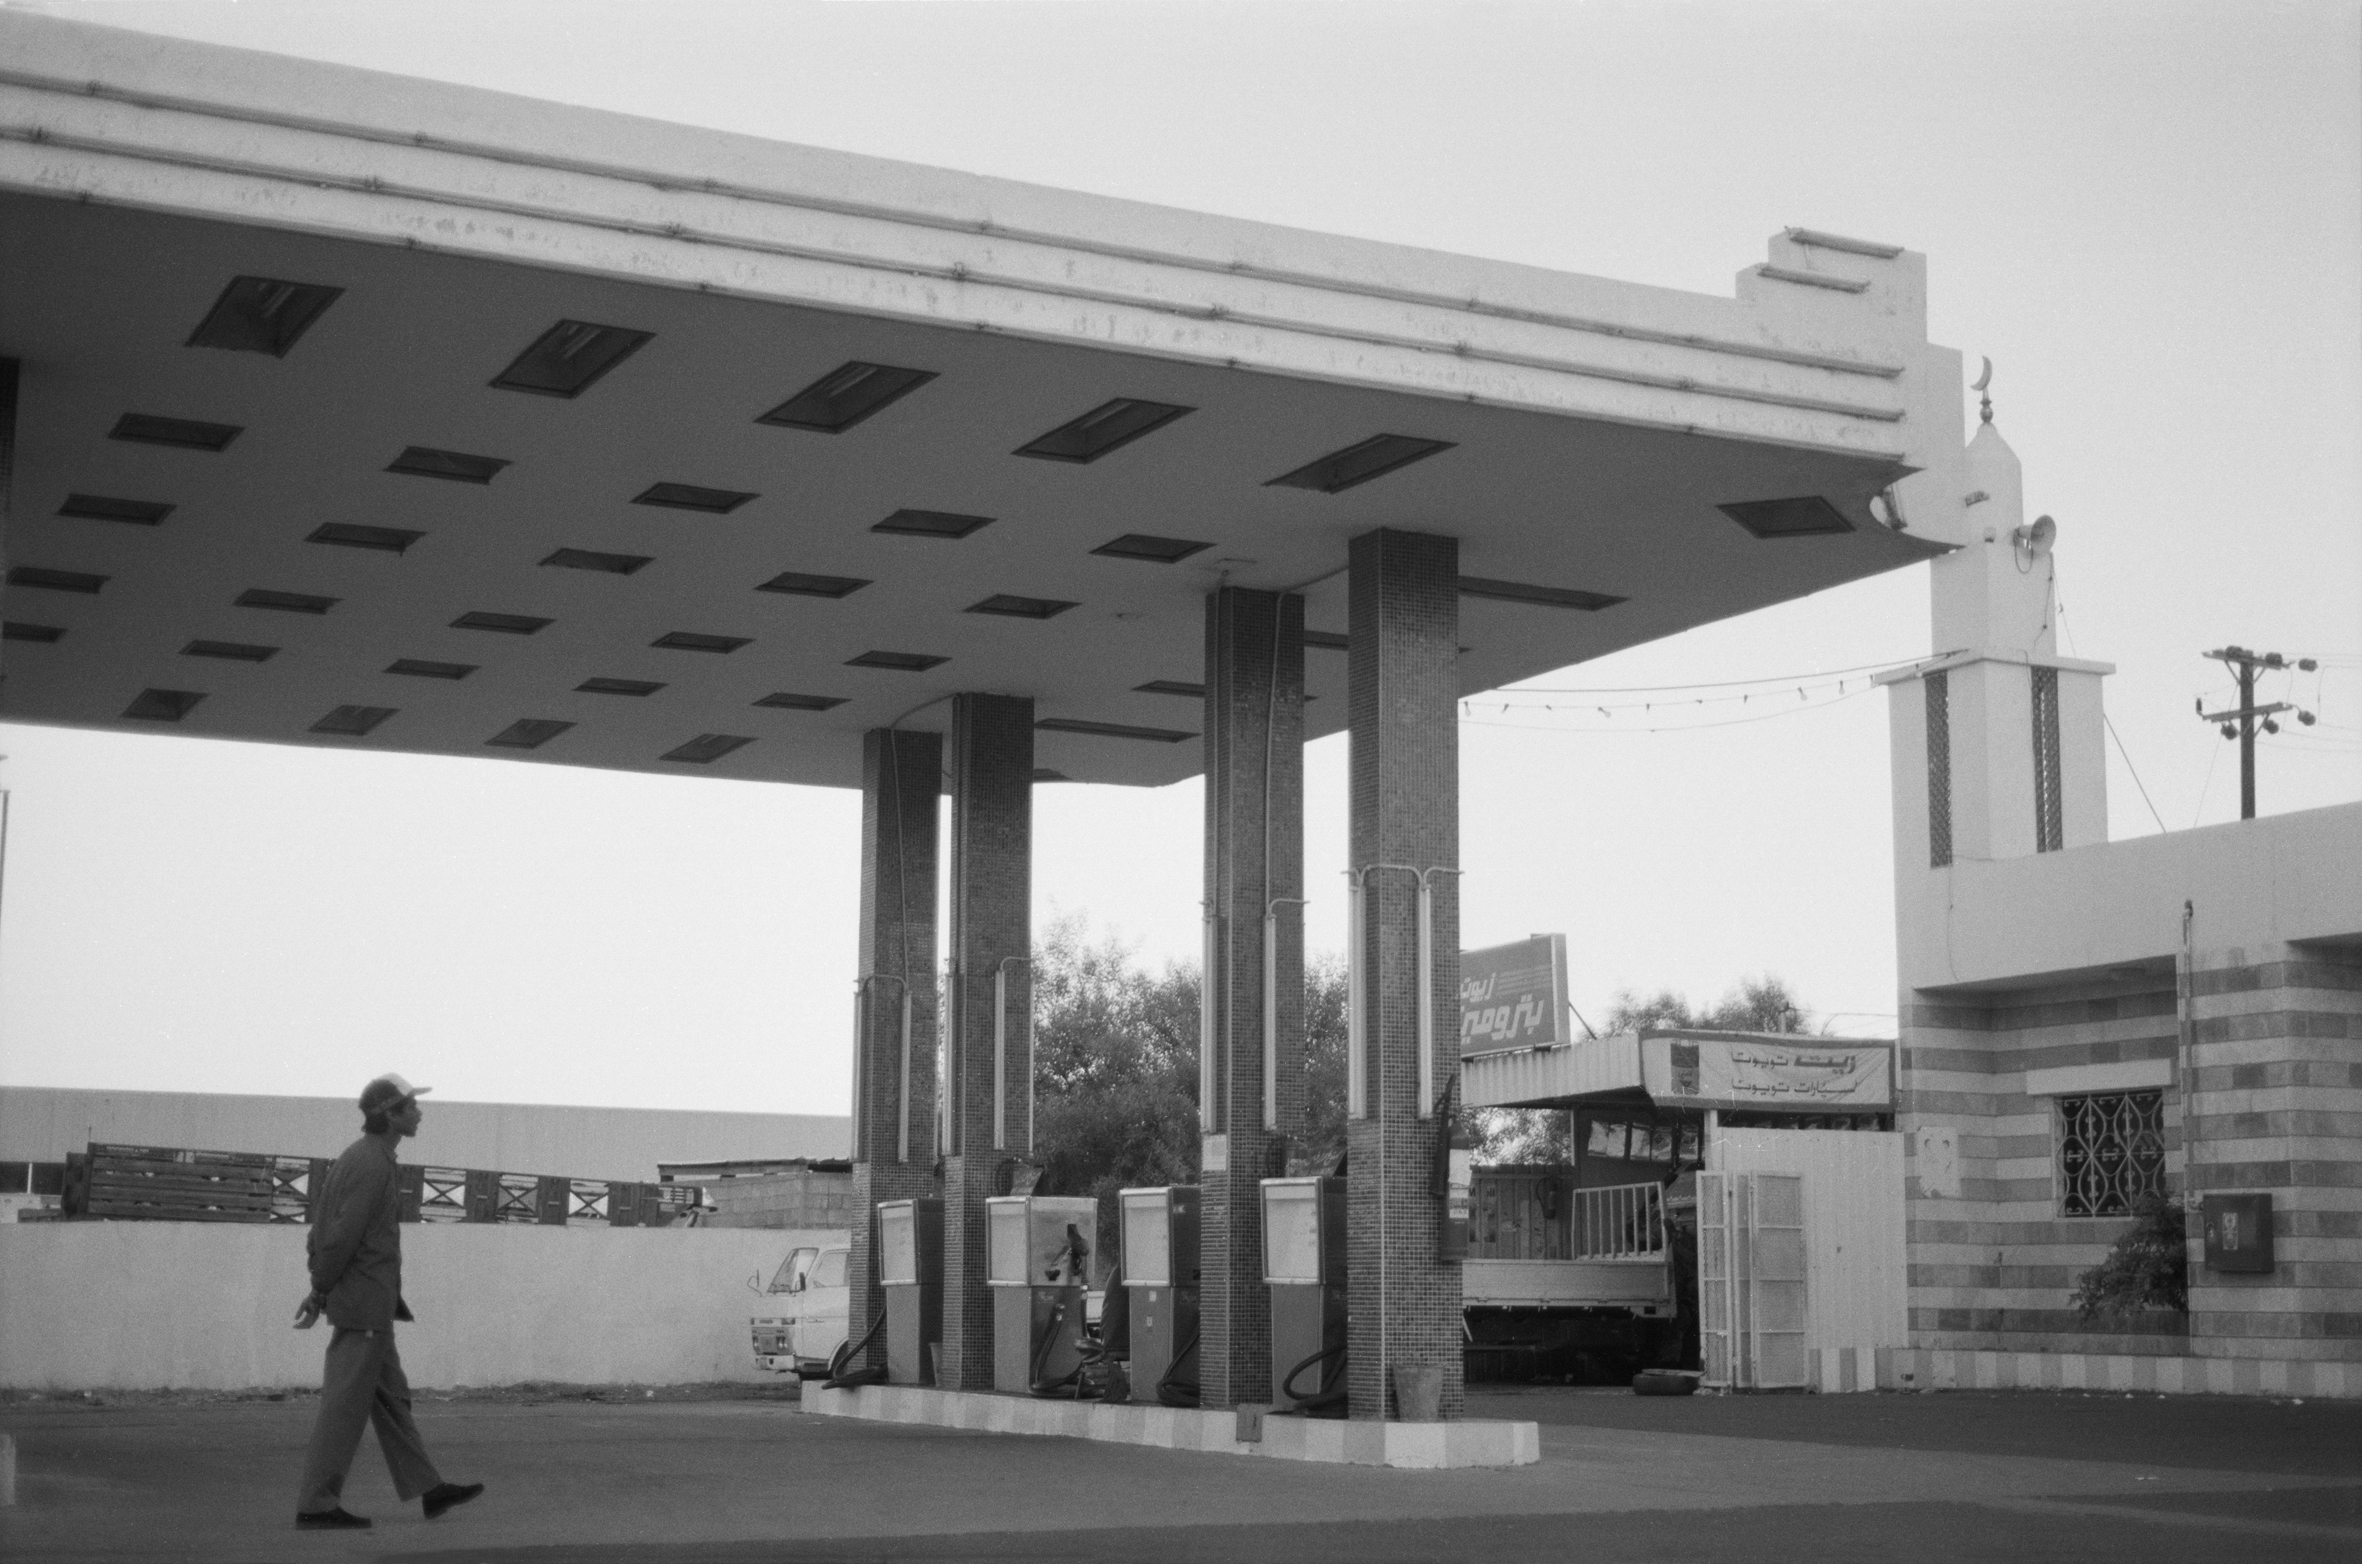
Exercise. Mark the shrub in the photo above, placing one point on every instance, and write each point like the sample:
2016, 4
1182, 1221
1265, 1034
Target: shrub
2147, 1268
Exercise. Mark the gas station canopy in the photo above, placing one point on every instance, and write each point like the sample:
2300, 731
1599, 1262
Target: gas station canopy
371, 412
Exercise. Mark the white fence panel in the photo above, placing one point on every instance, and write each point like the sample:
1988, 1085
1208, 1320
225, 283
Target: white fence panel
1717, 1300
1778, 1297
1856, 1269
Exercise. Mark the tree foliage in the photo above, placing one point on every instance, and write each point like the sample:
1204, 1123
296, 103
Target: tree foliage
1756, 1004
1115, 1069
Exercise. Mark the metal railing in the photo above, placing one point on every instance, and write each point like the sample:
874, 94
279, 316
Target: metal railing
176, 1184
1620, 1222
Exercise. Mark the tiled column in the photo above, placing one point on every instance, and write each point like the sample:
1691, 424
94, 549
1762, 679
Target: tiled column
989, 1057
1250, 1100
1402, 706
893, 1084
8, 381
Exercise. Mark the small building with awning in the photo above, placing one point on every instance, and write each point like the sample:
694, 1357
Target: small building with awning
1761, 1165
1651, 1102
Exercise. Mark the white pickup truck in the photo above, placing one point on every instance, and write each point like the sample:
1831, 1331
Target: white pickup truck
1563, 1280
800, 1321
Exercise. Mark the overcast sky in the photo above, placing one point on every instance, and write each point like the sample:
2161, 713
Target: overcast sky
2149, 216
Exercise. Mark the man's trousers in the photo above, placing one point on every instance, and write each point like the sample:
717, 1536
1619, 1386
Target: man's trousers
363, 1384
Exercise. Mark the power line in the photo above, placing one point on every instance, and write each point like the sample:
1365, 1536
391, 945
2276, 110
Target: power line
1674, 727
1719, 684
2133, 769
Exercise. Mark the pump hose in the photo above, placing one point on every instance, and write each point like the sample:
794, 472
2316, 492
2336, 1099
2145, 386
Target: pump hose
1173, 1390
838, 1376
1068, 1385
1329, 1400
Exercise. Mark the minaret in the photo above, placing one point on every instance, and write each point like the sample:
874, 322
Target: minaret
1997, 743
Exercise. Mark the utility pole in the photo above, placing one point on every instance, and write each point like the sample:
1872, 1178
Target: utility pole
2241, 722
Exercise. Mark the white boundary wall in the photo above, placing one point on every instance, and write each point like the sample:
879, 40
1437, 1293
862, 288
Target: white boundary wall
208, 1306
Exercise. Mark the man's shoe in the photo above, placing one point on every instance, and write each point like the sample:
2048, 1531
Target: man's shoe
443, 1496
337, 1519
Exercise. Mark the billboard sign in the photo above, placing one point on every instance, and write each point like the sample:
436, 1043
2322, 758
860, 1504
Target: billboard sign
1799, 1075
1513, 996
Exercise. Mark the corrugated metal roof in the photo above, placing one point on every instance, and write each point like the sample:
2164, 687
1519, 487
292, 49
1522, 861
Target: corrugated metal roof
1535, 1077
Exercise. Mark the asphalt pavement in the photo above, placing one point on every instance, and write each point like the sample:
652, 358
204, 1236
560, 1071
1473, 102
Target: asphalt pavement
637, 1479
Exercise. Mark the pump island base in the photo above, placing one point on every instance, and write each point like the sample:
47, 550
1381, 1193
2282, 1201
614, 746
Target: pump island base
1213, 1431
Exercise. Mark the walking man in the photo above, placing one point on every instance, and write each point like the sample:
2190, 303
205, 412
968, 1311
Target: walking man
356, 1264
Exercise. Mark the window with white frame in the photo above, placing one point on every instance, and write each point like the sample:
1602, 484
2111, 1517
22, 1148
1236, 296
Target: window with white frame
2111, 1152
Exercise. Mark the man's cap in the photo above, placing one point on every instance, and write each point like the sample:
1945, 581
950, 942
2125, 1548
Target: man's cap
389, 1091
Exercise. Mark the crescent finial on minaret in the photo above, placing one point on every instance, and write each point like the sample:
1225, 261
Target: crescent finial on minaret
1984, 400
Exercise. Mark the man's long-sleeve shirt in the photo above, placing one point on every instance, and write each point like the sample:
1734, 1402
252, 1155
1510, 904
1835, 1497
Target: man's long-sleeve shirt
356, 1241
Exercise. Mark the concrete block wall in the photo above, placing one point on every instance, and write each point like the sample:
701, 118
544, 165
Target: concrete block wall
1993, 1263
2277, 1101
806, 1198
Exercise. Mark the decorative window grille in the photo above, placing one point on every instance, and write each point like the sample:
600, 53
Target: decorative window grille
1939, 770
2049, 825
2111, 1152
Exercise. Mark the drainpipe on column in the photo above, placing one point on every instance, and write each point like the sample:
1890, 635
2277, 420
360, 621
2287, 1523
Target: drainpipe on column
2187, 1003
1271, 1006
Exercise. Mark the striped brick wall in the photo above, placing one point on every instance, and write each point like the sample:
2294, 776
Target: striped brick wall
2277, 1099
1993, 1263
2271, 1101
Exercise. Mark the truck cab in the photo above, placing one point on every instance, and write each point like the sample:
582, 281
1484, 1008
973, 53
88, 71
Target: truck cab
800, 1321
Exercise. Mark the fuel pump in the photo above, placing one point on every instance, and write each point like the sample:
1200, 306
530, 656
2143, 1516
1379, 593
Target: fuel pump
1161, 1273
1304, 1266
910, 1274
1037, 1262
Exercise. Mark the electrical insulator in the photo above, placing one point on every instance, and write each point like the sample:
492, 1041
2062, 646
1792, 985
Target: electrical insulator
2230, 730
2270, 726
2307, 664
2305, 717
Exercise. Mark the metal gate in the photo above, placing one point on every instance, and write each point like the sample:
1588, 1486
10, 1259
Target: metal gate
1751, 1267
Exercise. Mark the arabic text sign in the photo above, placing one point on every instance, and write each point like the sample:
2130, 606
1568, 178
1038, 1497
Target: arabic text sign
1513, 996
1749, 1072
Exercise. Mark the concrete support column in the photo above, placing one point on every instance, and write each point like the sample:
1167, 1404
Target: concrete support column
1251, 1087
894, 1010
989, 1052
1402, 706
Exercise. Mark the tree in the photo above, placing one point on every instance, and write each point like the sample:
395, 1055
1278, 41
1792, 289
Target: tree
1115, 1072
1757, 1004
1321, 1147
